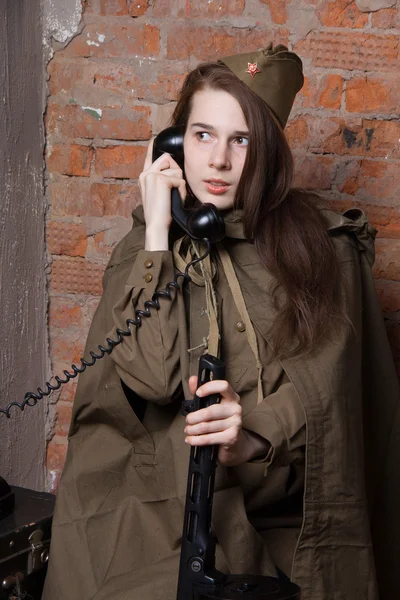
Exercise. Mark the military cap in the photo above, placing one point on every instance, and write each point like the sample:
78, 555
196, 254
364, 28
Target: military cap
274, 74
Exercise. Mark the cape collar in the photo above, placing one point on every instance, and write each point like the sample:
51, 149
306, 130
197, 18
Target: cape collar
352, 221
234, 224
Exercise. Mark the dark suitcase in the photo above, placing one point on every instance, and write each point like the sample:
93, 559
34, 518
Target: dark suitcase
24, 545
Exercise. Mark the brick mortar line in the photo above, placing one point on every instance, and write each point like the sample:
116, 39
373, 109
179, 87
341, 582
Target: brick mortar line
341, 71
299, 111
87, 221
79, 298
127, 143
139, 101
89, 143
114, 94
348, 74
346, 157
341, 112
346, 31
199, 21
354, 157
335, 196
80, 259
248, 21
395, 31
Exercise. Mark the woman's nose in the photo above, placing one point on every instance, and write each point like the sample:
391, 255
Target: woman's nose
219, 156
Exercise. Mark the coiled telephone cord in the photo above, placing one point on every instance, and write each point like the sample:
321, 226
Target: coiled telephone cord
31, 399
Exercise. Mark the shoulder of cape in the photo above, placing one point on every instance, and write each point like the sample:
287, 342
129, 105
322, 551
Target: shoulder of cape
351, 227
335, 221
354, 224
132, 242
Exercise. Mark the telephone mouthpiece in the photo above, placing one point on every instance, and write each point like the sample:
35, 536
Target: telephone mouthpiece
206, 223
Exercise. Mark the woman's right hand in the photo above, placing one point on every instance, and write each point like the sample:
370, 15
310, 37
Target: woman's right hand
156, 182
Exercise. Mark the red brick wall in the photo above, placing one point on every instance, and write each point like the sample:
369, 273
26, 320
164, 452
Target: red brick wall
113, 86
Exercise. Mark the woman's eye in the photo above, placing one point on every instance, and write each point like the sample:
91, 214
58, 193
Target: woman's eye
242, 141
203, 136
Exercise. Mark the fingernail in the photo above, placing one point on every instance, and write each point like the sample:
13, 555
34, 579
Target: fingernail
199, 393
186, 440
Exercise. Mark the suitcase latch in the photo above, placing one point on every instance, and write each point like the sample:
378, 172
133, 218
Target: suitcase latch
39, 554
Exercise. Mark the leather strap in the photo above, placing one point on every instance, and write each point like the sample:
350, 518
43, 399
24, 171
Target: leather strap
242, 310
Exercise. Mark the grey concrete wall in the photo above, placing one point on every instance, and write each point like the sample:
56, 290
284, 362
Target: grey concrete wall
23, 345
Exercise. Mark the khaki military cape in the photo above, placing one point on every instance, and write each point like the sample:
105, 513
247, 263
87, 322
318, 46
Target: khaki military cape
119, 510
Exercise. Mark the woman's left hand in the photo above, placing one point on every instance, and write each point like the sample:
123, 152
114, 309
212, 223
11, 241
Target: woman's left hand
221, 424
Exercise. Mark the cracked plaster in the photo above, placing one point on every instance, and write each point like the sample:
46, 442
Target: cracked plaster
374, 5
61, 19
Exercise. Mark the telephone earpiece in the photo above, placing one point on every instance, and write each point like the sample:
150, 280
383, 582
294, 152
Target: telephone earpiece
204, 222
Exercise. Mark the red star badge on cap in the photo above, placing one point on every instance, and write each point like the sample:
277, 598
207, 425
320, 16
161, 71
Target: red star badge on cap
253, 69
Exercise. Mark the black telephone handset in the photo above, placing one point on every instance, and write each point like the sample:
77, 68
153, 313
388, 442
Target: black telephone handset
204, 222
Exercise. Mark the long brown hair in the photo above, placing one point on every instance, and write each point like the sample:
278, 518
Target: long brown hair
284, 224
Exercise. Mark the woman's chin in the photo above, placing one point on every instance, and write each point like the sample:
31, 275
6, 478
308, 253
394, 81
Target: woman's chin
222, 202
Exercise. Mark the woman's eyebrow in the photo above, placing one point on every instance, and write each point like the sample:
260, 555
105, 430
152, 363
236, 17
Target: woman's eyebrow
203, 126
211, 128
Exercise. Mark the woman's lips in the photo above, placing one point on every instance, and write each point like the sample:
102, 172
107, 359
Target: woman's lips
217, 187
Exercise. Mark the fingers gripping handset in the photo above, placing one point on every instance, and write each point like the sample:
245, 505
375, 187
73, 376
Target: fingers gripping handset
204, 222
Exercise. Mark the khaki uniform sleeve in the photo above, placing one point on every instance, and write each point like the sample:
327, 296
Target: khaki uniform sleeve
148, 360
280, 420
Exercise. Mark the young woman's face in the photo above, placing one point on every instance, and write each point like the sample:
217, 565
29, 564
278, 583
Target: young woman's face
215, 147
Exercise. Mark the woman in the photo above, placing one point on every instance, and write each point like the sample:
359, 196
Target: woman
281, 301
